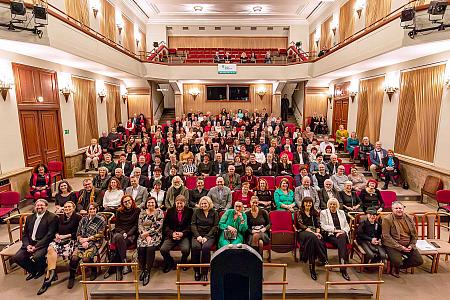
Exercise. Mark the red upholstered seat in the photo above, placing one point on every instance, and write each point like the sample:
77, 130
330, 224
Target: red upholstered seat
282, 234
296, 169
9, 202
289, 178
191, 182
347, 168
210, 182
56, 169
388, 198
443, 197
270, 182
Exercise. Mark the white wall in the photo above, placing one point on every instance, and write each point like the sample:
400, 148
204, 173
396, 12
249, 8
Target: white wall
299, 33
155, 33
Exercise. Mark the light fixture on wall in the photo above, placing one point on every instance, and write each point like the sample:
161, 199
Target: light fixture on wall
102, 95
95, 6
66, 91
4, 88
261, 92
40, 99
198, 8
257, 9
334, 25
329, 97
359, 6
119, 28
390, 91
194, 92
124, 98
352, 95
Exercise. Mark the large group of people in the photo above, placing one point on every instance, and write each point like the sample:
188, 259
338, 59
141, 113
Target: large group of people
237, 153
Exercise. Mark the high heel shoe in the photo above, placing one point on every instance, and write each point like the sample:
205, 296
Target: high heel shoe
312, 271
197, 276
146, 278
47, 283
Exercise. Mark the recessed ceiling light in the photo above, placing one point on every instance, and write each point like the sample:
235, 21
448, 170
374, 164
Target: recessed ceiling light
257, 9
198, 8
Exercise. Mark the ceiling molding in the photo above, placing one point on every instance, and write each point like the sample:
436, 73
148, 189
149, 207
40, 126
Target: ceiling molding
266, 21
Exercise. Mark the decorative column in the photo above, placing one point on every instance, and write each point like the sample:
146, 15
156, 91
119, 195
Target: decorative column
276, 104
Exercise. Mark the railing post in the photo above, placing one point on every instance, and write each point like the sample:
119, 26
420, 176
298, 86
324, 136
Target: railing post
178, 283
284, 282
136, 281
83, 277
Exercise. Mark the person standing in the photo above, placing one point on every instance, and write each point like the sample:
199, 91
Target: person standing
284, 107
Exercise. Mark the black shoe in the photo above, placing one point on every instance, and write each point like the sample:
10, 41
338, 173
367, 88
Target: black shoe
96, 169
204, 278
395, 272
44, 287
93, 274
345, 275
322, 263
141, 276
146, 278
167, 268
185, 268
30, 276
87, 170
126, 270
119, 274
197, 276
39, 274
111, 270
71, 282
312, 272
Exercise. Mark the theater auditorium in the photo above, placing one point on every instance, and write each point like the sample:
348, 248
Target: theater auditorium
225, 149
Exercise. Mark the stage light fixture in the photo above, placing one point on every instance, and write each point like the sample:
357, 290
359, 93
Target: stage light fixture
40, 15
18, 8
408, 17
437, 8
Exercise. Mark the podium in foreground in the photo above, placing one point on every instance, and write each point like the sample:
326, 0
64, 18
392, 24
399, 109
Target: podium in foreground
236, 273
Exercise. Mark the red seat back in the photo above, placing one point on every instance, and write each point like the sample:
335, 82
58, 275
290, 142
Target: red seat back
443, 196
9, 199
388, 198
281, 220
210, 182
356, 152
348, 168
55, 166
270, 182
289, 178
191, 182
296, 169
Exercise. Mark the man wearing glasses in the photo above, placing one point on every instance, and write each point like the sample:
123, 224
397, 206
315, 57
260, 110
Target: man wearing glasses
87, 195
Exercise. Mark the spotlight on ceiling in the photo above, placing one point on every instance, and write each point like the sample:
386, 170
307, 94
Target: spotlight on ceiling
257, 9
40, 15
437, 8
198, 8
407, 17
18, 8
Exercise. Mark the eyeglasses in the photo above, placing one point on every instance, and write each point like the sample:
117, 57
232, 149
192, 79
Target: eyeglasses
127, 201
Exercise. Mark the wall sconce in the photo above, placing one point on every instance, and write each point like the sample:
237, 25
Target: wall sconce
352, 95
261, 92
194, 92
95, 6
334, 30
390, 91
4, 88
447, 83
124, 98
119, 28
137, 43
66, 91
359, 6
102, 95
329, 98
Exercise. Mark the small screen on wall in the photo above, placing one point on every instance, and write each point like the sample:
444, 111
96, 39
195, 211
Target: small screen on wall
216, 92
239, 93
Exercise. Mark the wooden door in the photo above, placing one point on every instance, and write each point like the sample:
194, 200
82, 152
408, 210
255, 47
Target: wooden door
340, 113
31, 137
51, 143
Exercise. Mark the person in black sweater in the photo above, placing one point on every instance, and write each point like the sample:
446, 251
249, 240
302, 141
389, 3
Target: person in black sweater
177, 232
125, 233
63, 244
258, 223
368, 237
204, 228
196, 194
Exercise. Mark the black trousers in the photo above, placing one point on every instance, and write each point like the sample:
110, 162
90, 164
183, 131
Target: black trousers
203, 251
32, 262
340, 243
121, 246
373, 251
146, 257
169, 244
284, 113
413, 258
311, 247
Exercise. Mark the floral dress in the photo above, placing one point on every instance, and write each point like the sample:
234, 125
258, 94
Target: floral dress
153, 224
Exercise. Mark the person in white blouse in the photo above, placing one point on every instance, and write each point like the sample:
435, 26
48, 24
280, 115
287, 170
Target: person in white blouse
113, 195
326, 143
259, 155
157, 193
336, 231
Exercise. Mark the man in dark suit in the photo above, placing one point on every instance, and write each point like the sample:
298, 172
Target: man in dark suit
328, 191
125, 165
301, 156
40, 229
219, 166
177, 232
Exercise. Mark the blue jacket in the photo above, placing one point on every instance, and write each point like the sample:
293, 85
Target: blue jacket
374, 157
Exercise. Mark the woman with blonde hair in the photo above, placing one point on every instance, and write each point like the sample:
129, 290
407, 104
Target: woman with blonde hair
204, 229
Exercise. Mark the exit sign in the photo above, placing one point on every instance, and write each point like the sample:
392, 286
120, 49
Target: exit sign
66, 131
